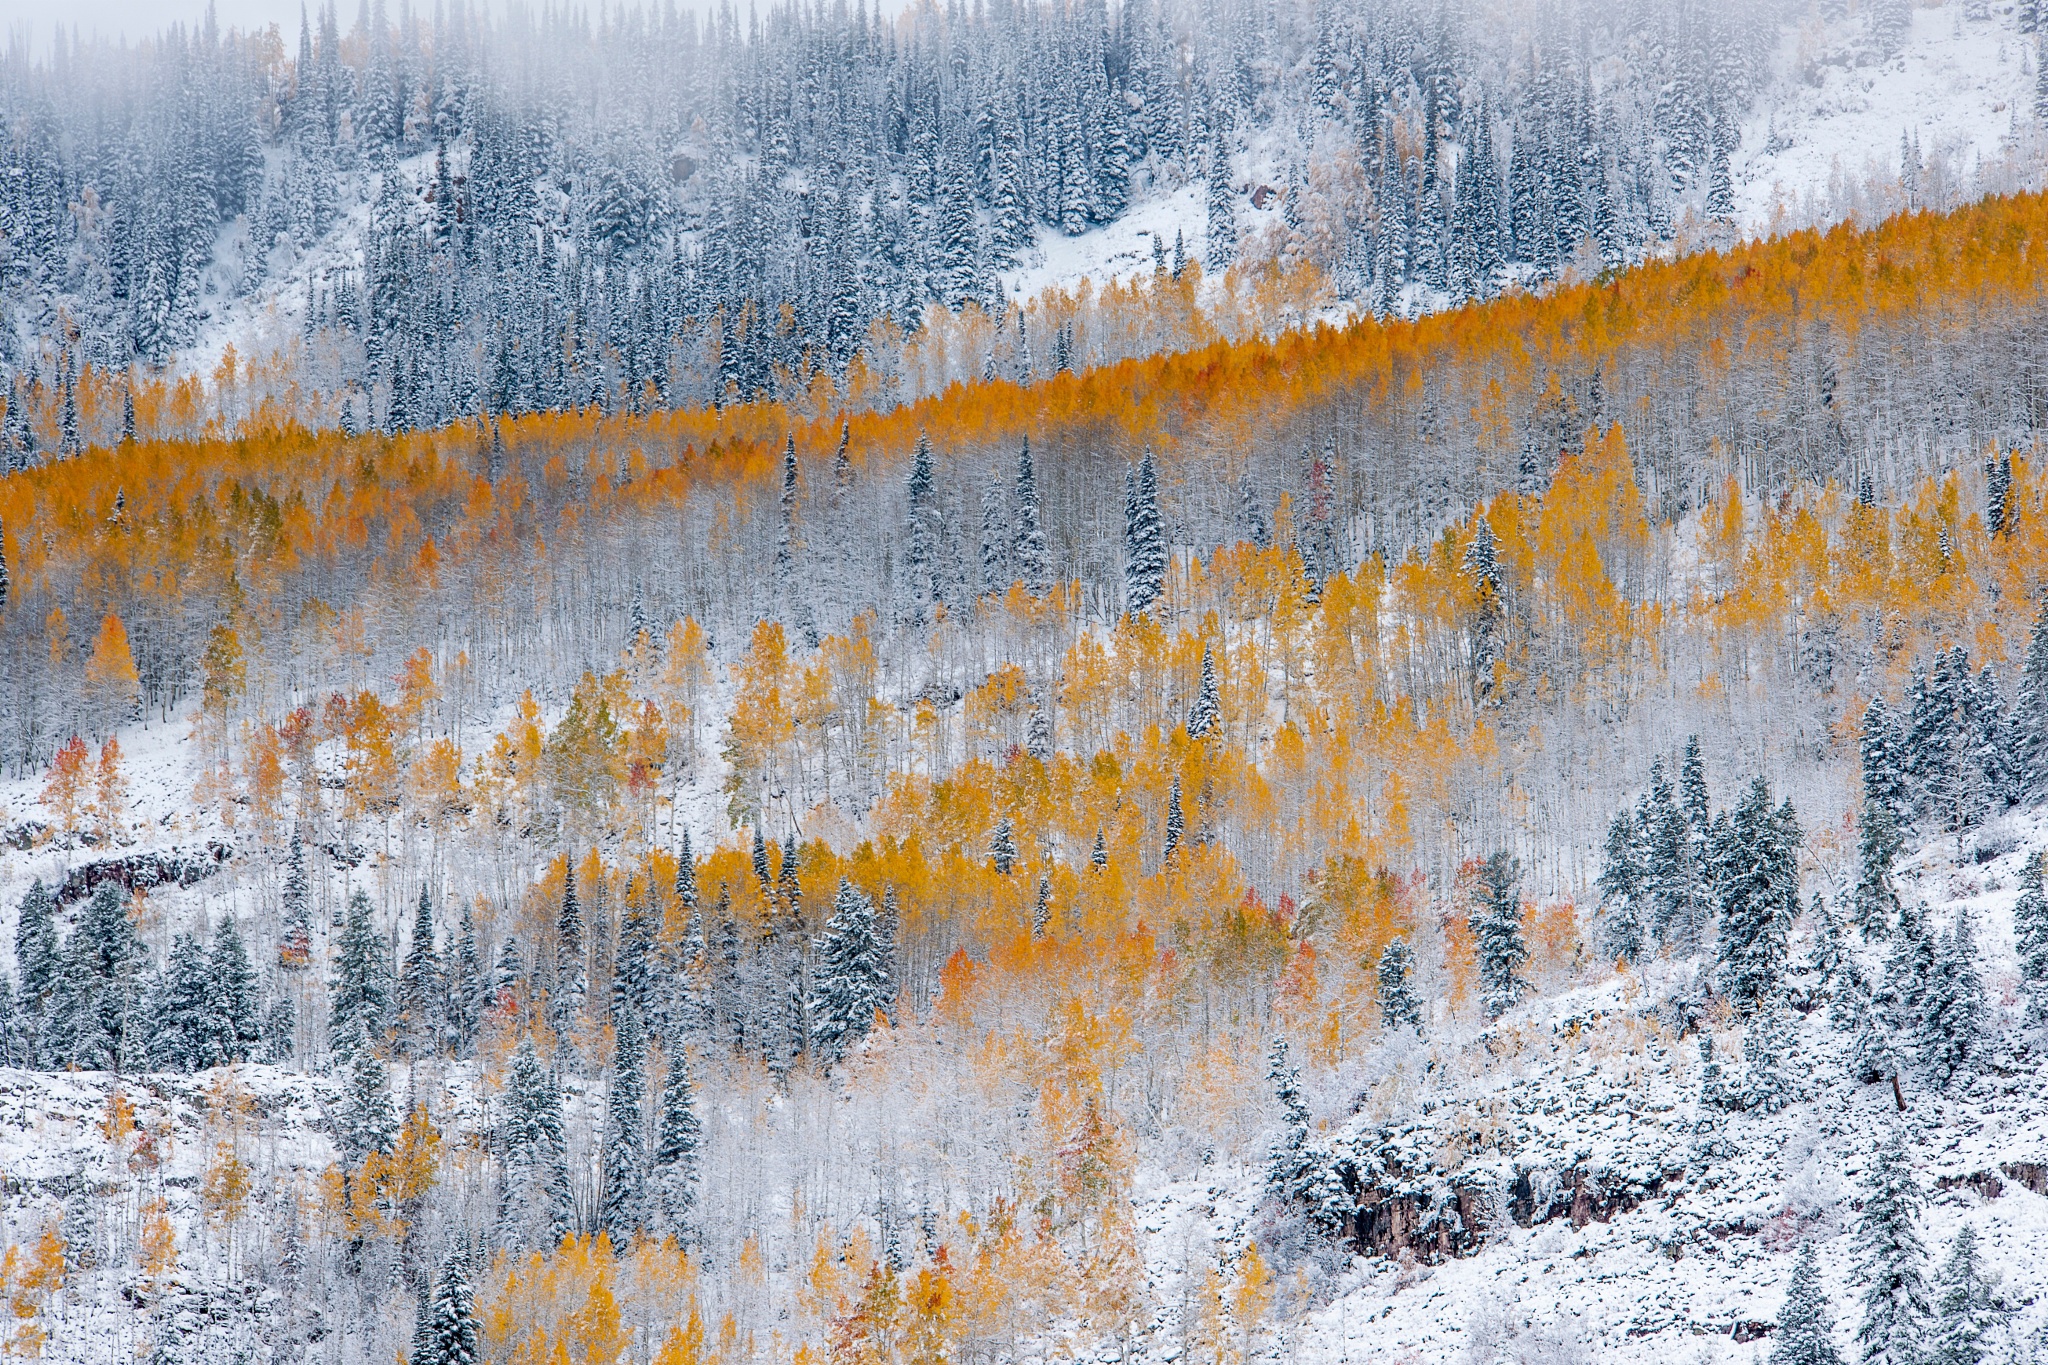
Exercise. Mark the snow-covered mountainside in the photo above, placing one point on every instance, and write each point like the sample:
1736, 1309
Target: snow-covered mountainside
1579, 1184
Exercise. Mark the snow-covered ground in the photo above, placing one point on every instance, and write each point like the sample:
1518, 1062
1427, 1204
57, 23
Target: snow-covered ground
1834, 119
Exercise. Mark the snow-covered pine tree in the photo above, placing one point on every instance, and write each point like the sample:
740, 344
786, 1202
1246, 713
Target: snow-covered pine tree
1205, 717
570, 980
359, 995
1002, 848
1622, 883
1496, 923
1806, 1330
295, 937
234, 1022
1757, 879
1399, 1007
37, 964
1176, 821
1878, 837
1891, 1262
1998, 493
1905, 998
672, 1180
622, 1206
101, 988
2030, 935
422, 993
852, 977
180, 1037
1952, 1014
468, 991
1770, 1080
1144, 539
1033, 560
1964, 1309
1041, 909
535, 1208
1482, 566
1220, 246
453, 1337
365, 1122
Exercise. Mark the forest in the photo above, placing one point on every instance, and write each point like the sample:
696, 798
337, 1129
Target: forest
1472, 724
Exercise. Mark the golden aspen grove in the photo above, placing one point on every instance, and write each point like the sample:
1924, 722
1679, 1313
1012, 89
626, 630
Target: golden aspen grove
1504, 832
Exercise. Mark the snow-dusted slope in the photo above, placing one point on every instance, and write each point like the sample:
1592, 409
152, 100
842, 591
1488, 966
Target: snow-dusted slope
1824, 141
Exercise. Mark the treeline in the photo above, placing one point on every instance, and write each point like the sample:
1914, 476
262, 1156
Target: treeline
672, 209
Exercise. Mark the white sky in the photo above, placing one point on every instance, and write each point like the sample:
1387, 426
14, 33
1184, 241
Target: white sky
137, 18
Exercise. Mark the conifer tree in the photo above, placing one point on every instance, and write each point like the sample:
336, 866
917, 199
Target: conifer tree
2030, 934
1399, 1007
888, 925
1144, 539
1891, 1262
1482, 565
359, 994
453, 1337
468, 991
234, 1024
623, 1207
37, 963
421, 991
366, 1122
1002, 848
1496, 923
673, 1183
1952, 1015
181, 1034
1806, 1333
1622, 881
2030, 711
1176, 821
1206, 715
1963, 1305
1769, 1080
1673, 861
1296, 1172
103, 987
1757, 878
1907, 997
570, 979
1031, 556
535, 1210
295, 940
852, 980
1041, 910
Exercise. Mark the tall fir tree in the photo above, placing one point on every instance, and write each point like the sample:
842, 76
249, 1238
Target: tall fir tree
422, 993
535, 1208
1624, 935
453, 1334
1891, 1263
1496, 924
674, 1169
1144, 539
359, 995
1399, 1007
2030, 935
622, 1210
1205, 717
38, 963
295, 937
1952, 1015
1805, 1332
1033, 560
235, 1021
852, 977
1756, 873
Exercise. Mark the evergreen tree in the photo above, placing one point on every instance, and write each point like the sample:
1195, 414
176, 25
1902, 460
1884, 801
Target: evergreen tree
1205, 716
1806, 1334
1891, 1262
1144, 539
295, 941
2030, 711
2030, 934
1033, 560
1769, 1082
1622, 882
1176, 821
359, 995
1399, 1007
1496, 923
234, 1024
1221, 246
1757, 880
1296, 1172
1909, 993
38, 963
673, 1182
468, 990
570, 980
623, 1209
1482, 565
366, 1122
1963, 1305
421, 992
1041, 909
1002, 848
453, 1337
853, 978
535, 1210
1998, 493
102, 986
181, 1035
1952, 1017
